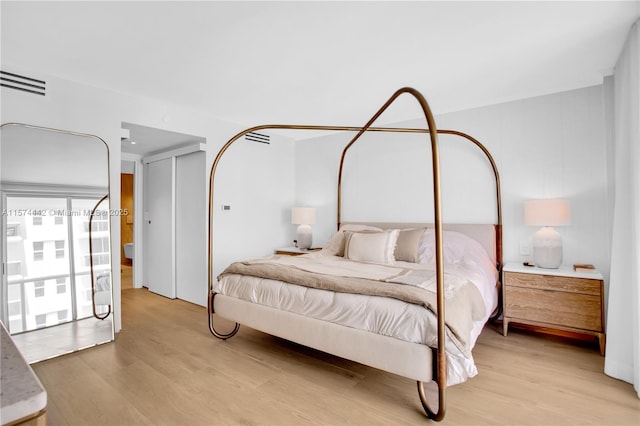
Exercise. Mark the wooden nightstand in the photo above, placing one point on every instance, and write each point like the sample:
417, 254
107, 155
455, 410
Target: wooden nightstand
295, 251
559, 299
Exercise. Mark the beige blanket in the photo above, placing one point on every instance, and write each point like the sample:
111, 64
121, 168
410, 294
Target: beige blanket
463, 302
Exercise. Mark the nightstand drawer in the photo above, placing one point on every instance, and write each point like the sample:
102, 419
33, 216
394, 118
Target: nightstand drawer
580, 311
550, 282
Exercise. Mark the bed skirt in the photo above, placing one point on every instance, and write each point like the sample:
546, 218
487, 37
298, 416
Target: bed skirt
411, 360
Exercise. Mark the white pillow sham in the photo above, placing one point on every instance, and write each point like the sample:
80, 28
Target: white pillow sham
408, 244
335, 246
457, 248
375, 247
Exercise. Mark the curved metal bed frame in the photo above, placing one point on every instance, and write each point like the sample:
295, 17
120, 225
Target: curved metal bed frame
440, 372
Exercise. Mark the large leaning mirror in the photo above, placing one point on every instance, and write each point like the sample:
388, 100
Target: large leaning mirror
56, 278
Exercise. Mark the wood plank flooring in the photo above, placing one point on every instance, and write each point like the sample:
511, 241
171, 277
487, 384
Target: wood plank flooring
165, 368
126, 277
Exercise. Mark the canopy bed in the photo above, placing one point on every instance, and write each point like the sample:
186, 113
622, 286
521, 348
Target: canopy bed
378, 292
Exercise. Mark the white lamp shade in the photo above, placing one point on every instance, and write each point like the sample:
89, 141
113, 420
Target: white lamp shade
303, 215
551, 212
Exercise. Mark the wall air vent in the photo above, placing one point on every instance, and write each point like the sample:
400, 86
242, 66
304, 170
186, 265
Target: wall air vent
257, 137
22, 83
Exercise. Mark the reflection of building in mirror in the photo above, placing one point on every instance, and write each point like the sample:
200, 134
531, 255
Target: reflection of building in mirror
49, 279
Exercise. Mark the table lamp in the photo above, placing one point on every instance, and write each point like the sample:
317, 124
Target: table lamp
547, 242
304, 217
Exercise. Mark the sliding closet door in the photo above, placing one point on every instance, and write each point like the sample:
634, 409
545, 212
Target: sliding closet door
159, 227
191, 234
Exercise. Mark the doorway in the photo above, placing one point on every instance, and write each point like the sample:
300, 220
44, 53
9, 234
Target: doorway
127, 224
170, 217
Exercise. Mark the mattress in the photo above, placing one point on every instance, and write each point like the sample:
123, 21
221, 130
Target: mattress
380, 315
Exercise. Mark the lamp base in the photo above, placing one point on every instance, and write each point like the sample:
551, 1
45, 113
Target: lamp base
547, 248
304, 236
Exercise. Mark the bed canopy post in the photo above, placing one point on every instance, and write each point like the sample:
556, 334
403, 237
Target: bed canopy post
440, 368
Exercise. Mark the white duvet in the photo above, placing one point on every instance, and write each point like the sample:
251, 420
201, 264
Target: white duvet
381, 315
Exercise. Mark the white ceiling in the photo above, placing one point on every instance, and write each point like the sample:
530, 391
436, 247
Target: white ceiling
143, 140
319, 62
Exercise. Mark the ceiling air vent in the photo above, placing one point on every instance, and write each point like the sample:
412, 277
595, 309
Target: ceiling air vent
257, 137
22, 83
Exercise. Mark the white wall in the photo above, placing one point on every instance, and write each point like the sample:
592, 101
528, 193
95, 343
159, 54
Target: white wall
387, 177
257, 181
548, 146
545, 147
86, 109
127, 166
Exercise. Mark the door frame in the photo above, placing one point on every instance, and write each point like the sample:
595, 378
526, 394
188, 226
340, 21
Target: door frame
138, 216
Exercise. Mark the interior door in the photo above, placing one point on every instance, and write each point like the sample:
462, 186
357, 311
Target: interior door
191, 234
159, 227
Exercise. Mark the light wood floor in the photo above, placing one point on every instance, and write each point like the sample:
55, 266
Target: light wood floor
126, 277
165, 368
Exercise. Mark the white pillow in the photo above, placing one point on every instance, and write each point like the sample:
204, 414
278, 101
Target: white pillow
376, 247
408, 244
335, 246
457, 248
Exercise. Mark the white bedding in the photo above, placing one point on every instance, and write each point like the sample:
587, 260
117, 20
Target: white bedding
381, 315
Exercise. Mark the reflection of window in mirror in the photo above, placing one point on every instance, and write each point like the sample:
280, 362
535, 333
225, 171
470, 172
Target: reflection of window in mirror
41, 320
61, 283
38, 250
14, 307
38, 288
99, 224
12, 229
59, 249
100, 247
14, 268
58, 220
37, 220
